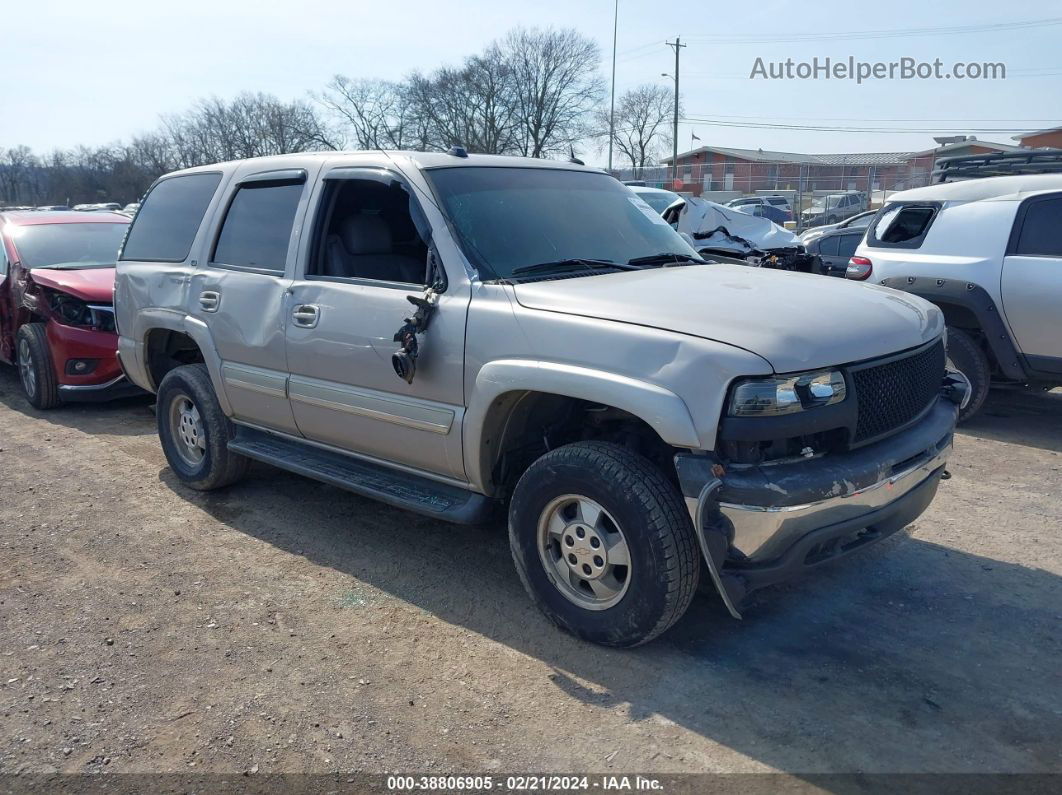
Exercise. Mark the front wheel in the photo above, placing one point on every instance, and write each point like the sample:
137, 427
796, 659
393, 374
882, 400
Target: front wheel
969, 361
194, 431
35, 368
603, 543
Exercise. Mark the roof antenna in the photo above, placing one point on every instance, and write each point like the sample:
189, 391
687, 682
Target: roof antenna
573, 158
457, 151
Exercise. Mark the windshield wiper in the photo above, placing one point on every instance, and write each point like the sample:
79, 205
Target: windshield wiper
568, 264
664, 258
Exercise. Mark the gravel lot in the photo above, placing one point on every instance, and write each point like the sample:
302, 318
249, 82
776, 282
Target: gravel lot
284, 625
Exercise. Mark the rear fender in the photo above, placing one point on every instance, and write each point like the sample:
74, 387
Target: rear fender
164, 319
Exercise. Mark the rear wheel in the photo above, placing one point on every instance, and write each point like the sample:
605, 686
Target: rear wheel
194, 431
967, 359
603, 543
35, 368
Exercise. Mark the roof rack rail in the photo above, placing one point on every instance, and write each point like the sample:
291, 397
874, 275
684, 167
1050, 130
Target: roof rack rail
998, 164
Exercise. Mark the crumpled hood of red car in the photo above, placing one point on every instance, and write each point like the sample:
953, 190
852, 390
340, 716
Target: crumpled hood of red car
90, 284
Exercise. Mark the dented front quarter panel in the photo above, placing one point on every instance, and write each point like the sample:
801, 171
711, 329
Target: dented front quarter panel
674, 382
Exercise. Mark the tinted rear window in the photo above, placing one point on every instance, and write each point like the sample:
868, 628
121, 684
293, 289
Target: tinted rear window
828, 246
169, 218
258, 226
902, 226
847, 245
1041, 229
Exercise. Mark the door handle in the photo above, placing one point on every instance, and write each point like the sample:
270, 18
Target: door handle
306, 315
210, 300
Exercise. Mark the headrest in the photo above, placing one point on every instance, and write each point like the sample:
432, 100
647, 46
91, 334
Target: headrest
365, 234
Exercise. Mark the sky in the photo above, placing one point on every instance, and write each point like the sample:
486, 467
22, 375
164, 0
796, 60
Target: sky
95, 72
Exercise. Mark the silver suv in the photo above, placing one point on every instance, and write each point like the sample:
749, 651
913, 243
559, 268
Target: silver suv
452, 333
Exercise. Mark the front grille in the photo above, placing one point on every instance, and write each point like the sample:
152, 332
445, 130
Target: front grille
895, 392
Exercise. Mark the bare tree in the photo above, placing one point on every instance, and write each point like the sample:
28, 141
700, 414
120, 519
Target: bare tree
471, 106
642, 119
557, 86
374, 113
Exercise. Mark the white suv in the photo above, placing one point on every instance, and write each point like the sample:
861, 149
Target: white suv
988, 252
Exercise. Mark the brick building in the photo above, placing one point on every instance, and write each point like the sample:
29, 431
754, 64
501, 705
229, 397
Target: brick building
1051, 137
717, 168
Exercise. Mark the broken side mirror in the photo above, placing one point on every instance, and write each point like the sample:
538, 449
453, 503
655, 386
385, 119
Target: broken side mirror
404, 360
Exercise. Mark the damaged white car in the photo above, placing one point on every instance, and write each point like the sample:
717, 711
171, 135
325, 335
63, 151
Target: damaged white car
721, 231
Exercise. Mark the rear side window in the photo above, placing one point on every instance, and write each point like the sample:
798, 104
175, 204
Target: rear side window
1038, 231
258, 225
902, 225
828, 246
170, 216
847, 244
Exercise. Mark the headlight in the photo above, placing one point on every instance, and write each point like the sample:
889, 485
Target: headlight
786, 394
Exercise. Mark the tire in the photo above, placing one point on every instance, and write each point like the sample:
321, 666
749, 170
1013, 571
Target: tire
966, 356
35, 369
832, 219
648, 595
195, 432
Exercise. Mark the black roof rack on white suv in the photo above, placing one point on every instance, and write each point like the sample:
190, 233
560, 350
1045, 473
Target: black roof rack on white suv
997, 164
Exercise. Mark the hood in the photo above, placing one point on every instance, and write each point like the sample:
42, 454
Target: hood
795, 321
90, 284
702, 218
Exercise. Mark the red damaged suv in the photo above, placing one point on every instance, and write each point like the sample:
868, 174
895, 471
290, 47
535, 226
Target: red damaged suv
56, 304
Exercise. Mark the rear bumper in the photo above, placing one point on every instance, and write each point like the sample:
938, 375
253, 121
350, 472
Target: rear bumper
761, 525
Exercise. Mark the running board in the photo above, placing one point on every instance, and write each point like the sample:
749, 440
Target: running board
392, 486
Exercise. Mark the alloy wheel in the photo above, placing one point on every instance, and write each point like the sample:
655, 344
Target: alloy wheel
584, 552
25, 368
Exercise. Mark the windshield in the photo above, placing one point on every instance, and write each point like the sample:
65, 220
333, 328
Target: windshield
68, 246
658, 201
510, 218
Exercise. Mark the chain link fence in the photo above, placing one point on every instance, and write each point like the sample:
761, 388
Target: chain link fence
817, 193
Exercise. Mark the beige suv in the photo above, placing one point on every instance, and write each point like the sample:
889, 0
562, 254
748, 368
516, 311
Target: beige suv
453, 333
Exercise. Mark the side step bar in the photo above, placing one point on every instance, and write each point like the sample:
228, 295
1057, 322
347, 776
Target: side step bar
392, 486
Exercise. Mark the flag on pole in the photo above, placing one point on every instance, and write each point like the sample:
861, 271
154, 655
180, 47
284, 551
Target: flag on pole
693, 136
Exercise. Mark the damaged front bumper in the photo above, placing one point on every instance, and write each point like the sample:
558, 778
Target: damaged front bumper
114, 389
759, 525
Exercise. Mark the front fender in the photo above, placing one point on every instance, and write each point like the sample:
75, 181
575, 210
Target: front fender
662, 409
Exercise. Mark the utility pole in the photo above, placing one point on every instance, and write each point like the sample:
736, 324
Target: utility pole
612, 109
678, 45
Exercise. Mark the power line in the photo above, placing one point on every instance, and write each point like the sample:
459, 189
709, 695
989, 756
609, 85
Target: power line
717, 122
954, 30
864, 119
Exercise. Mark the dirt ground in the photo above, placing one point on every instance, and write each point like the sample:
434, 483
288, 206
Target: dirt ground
284, 625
